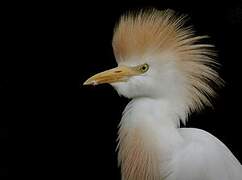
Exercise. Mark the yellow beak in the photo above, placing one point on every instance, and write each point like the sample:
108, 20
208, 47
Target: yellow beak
118, 74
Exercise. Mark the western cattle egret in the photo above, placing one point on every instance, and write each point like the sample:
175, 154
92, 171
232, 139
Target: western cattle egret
168, 73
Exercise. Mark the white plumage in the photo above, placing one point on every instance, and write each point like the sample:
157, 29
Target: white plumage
168, 74
180, 153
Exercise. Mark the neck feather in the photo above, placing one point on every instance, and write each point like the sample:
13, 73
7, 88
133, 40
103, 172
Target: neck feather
148, 136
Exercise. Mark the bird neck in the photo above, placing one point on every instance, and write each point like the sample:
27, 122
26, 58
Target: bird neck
148, 128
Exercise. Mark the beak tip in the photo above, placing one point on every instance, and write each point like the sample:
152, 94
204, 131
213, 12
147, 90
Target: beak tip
85, 83
88, 82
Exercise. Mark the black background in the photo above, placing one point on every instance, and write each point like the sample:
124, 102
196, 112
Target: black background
58, 128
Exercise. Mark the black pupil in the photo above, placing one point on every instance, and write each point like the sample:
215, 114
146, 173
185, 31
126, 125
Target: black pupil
144, 68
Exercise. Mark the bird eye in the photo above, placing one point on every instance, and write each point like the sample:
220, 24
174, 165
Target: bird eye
144, 68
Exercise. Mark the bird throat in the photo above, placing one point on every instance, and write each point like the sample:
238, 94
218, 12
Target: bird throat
140, 153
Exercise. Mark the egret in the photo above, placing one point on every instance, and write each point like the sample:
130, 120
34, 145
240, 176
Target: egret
168, 73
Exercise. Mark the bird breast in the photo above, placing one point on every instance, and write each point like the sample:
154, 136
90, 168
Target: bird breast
137, 161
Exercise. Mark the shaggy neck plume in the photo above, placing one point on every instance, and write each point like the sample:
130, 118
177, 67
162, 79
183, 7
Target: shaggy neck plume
145, 123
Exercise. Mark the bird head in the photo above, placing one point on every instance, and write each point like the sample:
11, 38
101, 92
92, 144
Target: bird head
159, 57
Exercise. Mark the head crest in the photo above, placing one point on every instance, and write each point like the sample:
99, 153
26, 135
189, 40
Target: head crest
153, 31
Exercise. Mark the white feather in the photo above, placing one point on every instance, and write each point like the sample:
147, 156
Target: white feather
181, 153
